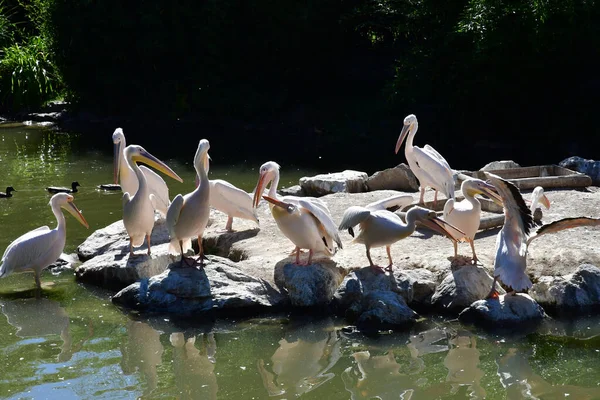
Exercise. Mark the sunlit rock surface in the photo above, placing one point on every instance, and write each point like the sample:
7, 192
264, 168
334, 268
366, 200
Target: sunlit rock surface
310, 285
348, 181
219, 286
588, 167
461, 287
397, 178
503, 310
578, 290
504, 164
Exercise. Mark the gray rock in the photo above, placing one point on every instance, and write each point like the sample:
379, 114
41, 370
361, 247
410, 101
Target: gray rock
504, 310
417, 285
295, 190
461, 287
308, 286
588, 167
397, 178
578, 290
348, 181
495, 165
382, 309
115, 269
218, 287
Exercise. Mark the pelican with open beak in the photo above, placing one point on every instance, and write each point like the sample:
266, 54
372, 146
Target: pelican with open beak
125, 175
39, 248
138, 209
380, 227
466, 214
306, 221
430, 168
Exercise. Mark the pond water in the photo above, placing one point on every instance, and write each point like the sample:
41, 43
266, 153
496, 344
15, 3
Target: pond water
73, 343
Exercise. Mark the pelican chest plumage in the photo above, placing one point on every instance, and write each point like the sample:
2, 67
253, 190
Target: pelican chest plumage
125, 175
8, 193
465, 215
59, 189
306, 221
430, 168
138, 209
187, 216
39, 248
380, 227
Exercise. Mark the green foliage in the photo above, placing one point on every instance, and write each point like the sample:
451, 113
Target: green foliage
27, 76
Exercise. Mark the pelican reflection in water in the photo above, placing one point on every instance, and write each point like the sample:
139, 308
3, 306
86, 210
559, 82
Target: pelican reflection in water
142, 351
194, 366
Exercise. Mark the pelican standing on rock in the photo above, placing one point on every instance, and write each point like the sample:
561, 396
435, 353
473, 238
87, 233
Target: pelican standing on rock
187, 216
39, 248
230, 200
514, 238
124, 174
380, 227
138, 209
306, 221
430, 168
465, 215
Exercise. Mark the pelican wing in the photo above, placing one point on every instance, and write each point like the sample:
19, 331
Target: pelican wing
158, 187
27, 249
437, 155
516, 211
435, 172
353, 216
323, 216
394, 203
562, 224
448, 207
231, 200
173, 214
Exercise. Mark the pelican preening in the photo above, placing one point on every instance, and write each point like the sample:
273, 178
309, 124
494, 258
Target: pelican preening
8, 193
380, 227
57, 189
538, 197
229, 199
124, 174
515, 236
430, 168
465, 215
40, 247
138, 209
187, 216
306, 221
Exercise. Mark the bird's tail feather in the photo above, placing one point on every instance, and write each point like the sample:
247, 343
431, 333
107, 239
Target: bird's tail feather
174, 246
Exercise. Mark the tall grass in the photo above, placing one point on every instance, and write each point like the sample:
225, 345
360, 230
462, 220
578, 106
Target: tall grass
27, 76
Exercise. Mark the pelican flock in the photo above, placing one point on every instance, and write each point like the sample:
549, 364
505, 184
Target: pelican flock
306, 221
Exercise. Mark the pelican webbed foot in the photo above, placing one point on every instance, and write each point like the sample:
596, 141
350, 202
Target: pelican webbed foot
377, 269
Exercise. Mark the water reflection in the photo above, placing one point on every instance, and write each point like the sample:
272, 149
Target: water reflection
193, 367
303, 360
462, 363
39, 317
142, 351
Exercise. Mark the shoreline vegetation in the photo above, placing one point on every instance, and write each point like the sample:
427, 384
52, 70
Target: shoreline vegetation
504, 77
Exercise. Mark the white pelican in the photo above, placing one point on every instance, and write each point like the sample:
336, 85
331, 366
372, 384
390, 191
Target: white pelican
138, 210
187, 216
465, 215
59, 189
230, 200
8, 193
430, 168
124, 174
380, 227
514, 237
537, 197
40, 247
306, 221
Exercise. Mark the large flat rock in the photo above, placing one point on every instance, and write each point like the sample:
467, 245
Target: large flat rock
347, 181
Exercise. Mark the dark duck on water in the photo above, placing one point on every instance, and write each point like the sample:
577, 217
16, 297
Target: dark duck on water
55, 189
8, 193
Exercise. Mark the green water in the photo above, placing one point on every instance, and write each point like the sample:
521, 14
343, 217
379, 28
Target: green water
72, 343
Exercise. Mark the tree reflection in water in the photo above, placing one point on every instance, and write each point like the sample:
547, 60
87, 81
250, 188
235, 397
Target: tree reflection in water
303, 360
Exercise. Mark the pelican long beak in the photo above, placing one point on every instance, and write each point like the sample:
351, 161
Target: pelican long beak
260, 187
155, 163
440, 226
544, 200
402, 136
74, 211
286, 206
491, 192
117, 161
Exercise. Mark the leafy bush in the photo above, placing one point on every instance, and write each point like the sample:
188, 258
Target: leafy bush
27, 76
